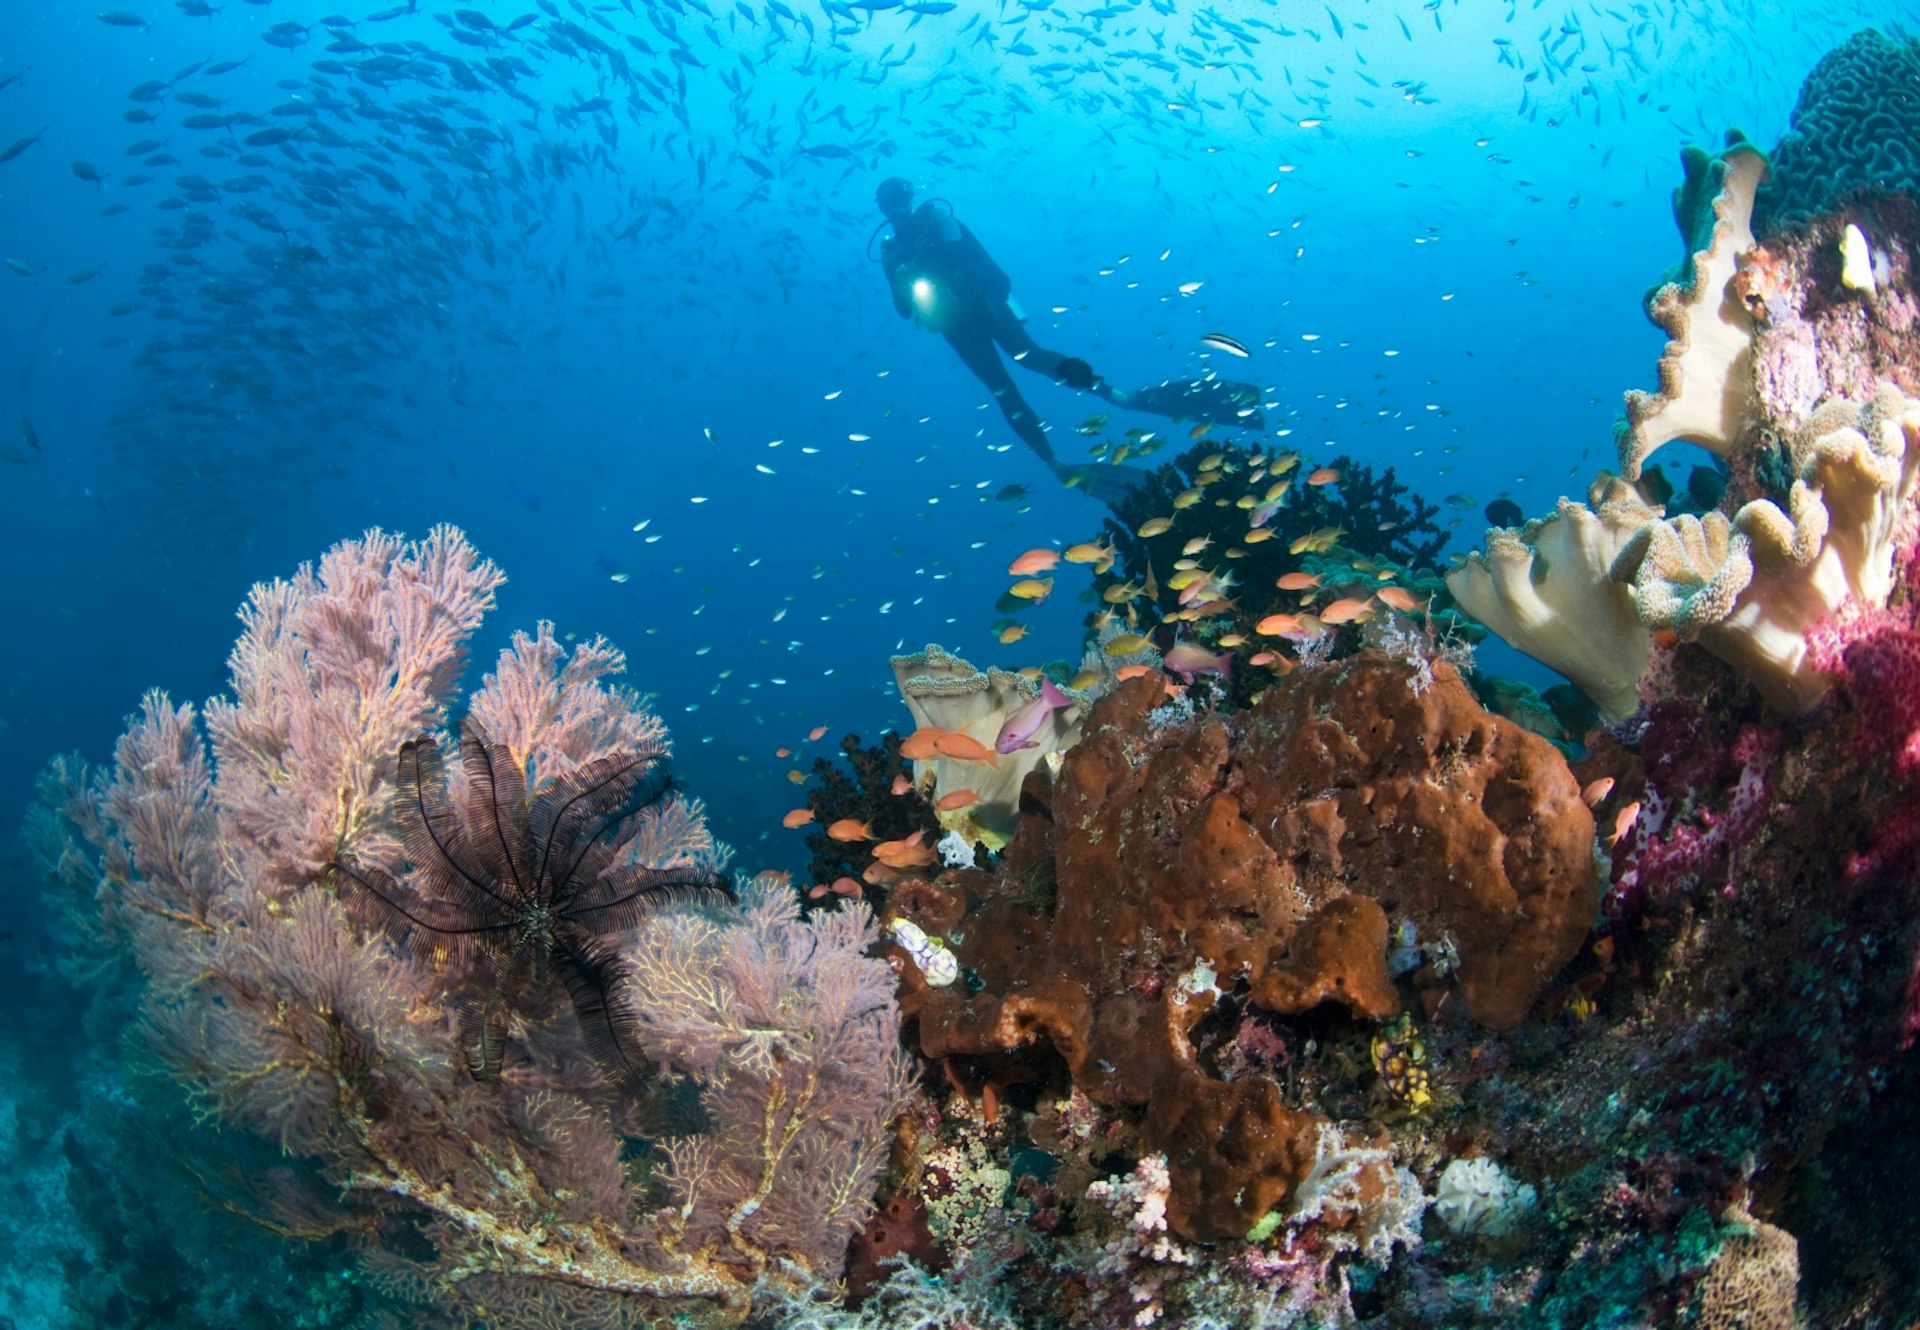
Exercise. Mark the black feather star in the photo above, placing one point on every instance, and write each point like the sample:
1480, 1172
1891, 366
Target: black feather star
512, 896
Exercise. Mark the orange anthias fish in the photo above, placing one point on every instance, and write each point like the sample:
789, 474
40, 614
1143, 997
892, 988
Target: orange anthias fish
1345, 610
1126, 672
1326, 475
923, 743
817, 732
1399, 598
1628, 816
1297, 582
958, 799
850, 829
962, 748
901, 785
799, 817
1033, 561
1597, 791
900, 855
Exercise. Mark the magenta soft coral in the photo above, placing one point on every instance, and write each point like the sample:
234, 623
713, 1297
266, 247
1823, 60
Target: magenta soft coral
1882, 675
1704, 800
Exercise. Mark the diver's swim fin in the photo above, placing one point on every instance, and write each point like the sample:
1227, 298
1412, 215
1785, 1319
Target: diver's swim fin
1106, 484
1215, 401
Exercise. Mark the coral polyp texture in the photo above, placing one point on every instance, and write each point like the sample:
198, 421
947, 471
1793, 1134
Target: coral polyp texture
455, 994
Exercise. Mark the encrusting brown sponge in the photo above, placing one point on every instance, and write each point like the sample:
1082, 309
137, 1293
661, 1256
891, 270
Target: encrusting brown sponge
1261, 855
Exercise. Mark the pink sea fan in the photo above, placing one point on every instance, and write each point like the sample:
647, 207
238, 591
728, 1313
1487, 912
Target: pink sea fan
335, 670
553, 711
790, 1031
279, 1012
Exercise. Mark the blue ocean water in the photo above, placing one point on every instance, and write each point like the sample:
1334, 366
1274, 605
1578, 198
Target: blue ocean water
1430, 223
593, 282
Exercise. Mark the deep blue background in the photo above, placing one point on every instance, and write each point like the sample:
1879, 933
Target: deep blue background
1465, 235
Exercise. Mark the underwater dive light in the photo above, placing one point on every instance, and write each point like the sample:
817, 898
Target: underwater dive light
923, 298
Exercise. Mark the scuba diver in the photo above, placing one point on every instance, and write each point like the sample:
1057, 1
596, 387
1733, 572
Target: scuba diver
944, 279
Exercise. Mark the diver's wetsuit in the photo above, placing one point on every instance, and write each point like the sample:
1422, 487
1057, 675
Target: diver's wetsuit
967, 300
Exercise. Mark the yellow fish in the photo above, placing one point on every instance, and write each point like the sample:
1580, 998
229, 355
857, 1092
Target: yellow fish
1187, 498
1088, 551
1317, 542
1284, 465
1122, 592
1197, 544
1126, 644
1154, 526
1008, 636
1212, 460
1257, 535
1084, 680
1035, 589
1185, 578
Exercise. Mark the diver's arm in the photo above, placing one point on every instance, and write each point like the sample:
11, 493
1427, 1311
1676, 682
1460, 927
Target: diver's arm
893, 264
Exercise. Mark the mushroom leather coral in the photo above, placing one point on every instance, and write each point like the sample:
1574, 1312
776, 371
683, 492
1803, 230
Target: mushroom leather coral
1545, 590
1270, 848
942, 690
1706, 390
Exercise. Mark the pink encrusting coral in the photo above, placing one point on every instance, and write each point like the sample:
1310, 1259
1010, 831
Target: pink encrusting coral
1702, 805
450, 1105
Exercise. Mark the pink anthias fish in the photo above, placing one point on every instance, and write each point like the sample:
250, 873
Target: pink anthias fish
1188, 659
1018, 730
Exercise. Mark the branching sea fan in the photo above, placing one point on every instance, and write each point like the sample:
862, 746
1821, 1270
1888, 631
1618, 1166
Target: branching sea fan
509, 896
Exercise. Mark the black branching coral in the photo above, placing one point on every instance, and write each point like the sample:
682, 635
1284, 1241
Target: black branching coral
508, 896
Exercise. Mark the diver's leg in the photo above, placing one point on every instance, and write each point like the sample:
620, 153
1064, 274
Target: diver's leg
1011, 332
974, 342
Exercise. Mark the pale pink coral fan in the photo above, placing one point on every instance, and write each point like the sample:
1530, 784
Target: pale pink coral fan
279, 1012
